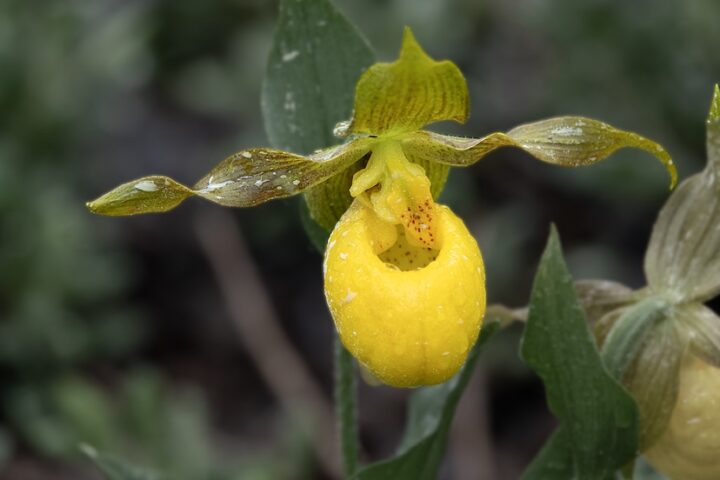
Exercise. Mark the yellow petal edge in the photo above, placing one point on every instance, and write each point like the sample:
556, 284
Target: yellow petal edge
409, 327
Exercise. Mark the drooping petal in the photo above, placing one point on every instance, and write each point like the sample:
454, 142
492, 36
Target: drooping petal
409, 93
563, 141
409, 317
683, 256
244, 179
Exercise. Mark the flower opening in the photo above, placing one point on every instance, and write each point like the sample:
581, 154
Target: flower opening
410, 324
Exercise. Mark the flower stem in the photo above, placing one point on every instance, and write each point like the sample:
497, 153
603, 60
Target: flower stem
346, 408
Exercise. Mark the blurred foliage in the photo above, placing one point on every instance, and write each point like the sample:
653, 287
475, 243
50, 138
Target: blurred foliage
63, 313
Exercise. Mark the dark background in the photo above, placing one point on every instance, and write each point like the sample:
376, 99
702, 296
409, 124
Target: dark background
114, 332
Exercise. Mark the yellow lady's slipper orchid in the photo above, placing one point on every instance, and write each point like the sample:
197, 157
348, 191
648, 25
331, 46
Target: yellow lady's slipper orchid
409, 314
404, 278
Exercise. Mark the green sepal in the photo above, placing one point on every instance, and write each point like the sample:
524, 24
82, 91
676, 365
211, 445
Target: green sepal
702, 327
630, 332
681, 260
328, 201
599, 297
653, 379
408, 94
317, 235
562, 141
244, 179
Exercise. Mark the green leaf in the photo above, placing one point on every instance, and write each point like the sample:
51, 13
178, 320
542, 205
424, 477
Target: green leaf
315, 60
430, 416
562, 141
554, 459
115, 469
681, 259
409, 93
244, 179
597, 416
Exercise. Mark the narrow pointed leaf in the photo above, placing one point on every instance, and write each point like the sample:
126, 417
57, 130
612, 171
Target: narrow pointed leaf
703, 329
562, 141
683, 256
244, 179
409, 93
430, 416
597, 416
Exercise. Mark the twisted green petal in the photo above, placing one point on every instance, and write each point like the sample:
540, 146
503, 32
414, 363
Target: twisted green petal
244, 179
563, 141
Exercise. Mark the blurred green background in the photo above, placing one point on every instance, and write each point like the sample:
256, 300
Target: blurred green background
113, 332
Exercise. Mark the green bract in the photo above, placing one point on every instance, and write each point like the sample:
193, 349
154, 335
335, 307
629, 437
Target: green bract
392, 103
647, 334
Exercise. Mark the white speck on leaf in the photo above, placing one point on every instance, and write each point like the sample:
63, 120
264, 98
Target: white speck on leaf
215, 186
246, 154
289, 104
290, 56
343, 256
146, 186
296, 182
567, 131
